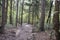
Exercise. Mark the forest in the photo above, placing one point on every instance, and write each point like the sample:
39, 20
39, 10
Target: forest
29, 20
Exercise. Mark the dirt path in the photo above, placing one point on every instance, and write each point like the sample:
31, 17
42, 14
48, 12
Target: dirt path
24, 33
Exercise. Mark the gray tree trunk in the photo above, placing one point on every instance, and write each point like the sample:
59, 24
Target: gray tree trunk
56, 20
11, 22
3, 17
22, 12
42, 19
29, 16
17, 13
6, 9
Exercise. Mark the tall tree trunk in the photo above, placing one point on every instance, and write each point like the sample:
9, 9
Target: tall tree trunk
42, 19
56, 20
33, 17
11, 22
29, 16
3, 17
17, 13
22, 12
33, 13
49, 16
6, 9
19, 16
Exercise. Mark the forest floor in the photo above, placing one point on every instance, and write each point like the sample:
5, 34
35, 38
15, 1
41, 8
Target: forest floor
25, 33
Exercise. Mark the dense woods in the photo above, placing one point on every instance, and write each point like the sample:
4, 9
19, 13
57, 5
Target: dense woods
38, 17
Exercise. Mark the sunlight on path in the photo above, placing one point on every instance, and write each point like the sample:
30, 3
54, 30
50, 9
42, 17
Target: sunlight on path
24, 32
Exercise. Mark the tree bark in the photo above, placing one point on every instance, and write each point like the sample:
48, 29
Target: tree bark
17, 13
3, 17
6, 9
56, 20
22, 12
19, 16
42, 19
33, 12
11, 22
29, 16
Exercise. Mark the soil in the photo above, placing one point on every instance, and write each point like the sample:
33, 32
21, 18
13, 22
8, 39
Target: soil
25, 33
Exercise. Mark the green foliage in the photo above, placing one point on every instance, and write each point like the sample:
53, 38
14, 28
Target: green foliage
35, 8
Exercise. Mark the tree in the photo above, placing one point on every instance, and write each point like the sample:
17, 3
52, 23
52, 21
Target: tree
11, 12
17, 13
56, 20
33, 11
0, 4
22, 12
3, 17
42, 19
49, 16
36, 12
29, 16
6, 10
